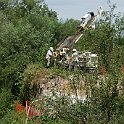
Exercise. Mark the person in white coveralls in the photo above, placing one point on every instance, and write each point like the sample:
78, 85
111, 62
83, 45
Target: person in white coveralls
49, 55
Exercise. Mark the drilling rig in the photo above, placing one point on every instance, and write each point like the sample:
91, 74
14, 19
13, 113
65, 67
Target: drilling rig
86, 60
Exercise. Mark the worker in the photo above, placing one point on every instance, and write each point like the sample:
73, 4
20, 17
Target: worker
64, 55
74, 58
49, 55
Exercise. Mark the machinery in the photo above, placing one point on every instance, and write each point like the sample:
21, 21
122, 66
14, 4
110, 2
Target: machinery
86, 60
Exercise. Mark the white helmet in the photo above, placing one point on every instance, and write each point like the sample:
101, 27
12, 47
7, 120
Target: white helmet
74, 50
51, 48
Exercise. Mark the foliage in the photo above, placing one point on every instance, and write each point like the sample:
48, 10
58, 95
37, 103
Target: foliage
6, 101
12, 117
25, 38
27, 29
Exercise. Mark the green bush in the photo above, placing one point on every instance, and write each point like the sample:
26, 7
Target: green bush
6, 100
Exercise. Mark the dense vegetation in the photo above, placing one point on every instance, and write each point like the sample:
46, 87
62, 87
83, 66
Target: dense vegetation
27, 29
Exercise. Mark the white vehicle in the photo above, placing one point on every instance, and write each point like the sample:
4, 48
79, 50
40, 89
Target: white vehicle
87, 61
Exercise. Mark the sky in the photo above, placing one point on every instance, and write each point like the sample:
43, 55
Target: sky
77, 8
